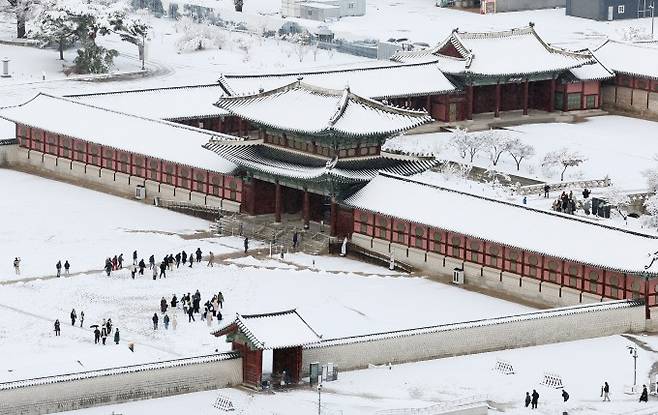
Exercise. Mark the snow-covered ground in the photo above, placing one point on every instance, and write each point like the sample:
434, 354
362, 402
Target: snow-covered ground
583, 366
618, 147
48, 220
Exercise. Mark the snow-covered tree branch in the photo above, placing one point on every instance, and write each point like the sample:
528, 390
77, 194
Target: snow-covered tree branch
520, 151
564, 158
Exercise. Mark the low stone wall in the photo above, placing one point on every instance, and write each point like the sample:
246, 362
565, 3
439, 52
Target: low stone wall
523, 330
116, 385
106, 180
638, 101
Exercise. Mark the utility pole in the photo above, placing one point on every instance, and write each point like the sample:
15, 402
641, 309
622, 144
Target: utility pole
320, 399
653, 9
143, 49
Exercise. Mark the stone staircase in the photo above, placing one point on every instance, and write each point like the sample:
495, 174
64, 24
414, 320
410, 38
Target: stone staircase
313, 241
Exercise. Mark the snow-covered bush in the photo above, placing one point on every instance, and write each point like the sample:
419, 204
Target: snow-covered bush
198, 36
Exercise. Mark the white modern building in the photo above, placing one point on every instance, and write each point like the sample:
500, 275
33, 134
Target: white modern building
322, 10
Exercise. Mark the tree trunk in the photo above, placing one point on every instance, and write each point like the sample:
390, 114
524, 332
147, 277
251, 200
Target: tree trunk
20, 27
562, 175
61, 49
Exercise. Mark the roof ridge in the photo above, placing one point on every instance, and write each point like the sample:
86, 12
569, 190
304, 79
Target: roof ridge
128, 91
155, 120
274, 313
552, 214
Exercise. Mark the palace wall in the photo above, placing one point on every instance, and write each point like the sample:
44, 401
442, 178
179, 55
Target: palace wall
531, 329
116, 385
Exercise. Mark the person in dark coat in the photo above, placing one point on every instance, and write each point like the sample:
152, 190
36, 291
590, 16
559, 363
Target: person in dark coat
527, 399
191, 260
74, 316
565, 395
174, 301
108, 266
535, 399
163, 269
605, 392
151, 262
116, 336
155, 321
295, 239
198, 255
177, 260
66, 267
135, 257
82, 318
184, 257
166, 321
163, 305
97, 336
58, 266
190, 315
246, 244
103, 334
547, 188
644, 397
142, 266
115, 263
57, 328
120, 261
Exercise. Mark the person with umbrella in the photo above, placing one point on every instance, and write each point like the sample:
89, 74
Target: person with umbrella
97, 333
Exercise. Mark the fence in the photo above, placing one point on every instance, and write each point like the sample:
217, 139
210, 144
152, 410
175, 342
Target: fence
438, 408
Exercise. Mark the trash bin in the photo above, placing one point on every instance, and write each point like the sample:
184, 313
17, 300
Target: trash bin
458, 276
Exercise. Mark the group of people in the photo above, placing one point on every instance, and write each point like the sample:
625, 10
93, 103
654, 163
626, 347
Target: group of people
158, 270
191, 305
566, 203
531, 400
58, 267
100, 333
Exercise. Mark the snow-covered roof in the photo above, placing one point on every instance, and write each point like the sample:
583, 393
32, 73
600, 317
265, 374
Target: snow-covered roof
172, 103
385, 81
533, 315
273, 161
506, 224
518, 51
306, 109
156, 138
278, 330
592, 72
629, 59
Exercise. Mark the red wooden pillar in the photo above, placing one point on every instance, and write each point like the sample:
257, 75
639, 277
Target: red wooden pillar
565, 98
277, 202
647, 312
469, 102
582, 95
497, 109
428, 106
306, 209
333, 217
525, 97
551, 97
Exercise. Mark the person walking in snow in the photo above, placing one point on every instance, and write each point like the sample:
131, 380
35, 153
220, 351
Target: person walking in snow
155, 321
644, 397
108, 266
295, 239
191, 260
565, 395
547, 188
183, 257
120, 261
605, 392
163, 269
177, 260
528, 399
142, 266
116, 336
151, 262
58, 266
166, 321
57, 328
135, 257
66, 267
74, 316
17, 266
82, 317
198, 255
211, 259
220, 298
174, 301
155, 272
535, 399
103, 335
246, 244
115, 263
174, 323
97, 335
133, 271
190, 315
163, 305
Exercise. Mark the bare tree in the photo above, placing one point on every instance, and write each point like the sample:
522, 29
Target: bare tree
520, 151
466, 144
563, 157
496, 142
